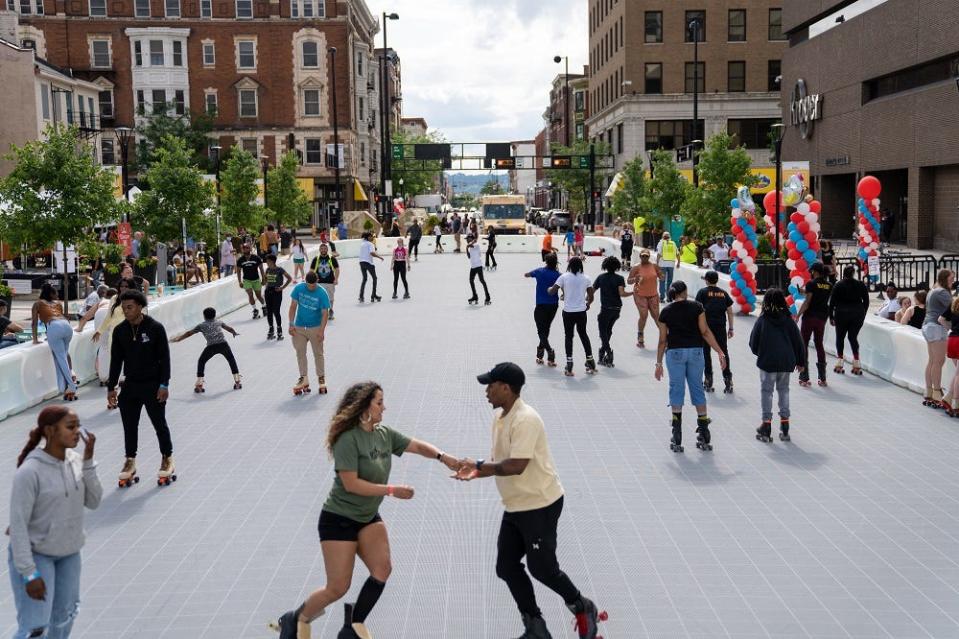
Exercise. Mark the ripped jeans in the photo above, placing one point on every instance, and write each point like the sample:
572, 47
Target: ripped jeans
56, 614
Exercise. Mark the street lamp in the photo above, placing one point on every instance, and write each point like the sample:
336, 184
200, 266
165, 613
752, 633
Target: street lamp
778, 131
386, 150
694, 25
557, 59
215, 156
124, 135
336, 137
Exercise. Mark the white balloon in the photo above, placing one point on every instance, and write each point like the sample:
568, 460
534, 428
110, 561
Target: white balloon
873, 245
815, 226
798, 281
811, 217
803, 208
737, 214
876, 202
748, 260
737, 245
753, 268
791, 264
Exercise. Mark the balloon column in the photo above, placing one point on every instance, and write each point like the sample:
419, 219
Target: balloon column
869, 189
802, 244
769, 205
743, 269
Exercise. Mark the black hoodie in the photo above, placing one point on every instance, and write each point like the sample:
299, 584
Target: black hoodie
777, 344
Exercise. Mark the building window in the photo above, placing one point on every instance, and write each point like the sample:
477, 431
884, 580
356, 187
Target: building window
314, 151
691, 77
579, 101
211, 104
137, 53
362, 109
247, 103
307, 8
654, 27
311, 57
156, 53
25, 7
311, 102
206, 8
619, 138
736, 77
774, 75
251, 146
98, 8
580, 131
359, 64
179, 102
106, 104
776, 24
751, 133
141, 102
209, 54
158, 100
28, 44
244, 8
699, 18
363, 153
737, 25
69, 98
654, 78
246, 54
669, 134
142, 8
172, 8
100, 54
177, 53
107, 155
938, 70
45, 101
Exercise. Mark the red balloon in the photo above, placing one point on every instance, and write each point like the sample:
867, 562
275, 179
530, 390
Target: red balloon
797, 217
741, 299
803, 227
741, 267
769, 202
815, 206
790, 300
747, 308
801, 265
869, 188
793, 253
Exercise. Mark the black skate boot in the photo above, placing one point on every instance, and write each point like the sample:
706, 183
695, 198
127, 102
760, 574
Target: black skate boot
590, 366
535, 628
784, 430
728, 381
703, 436
764, 432
676, 442
569, 367
270, 334
287, 624
263, 310
256, 313
551, 358
361, 299
279, 334
587, 618
539, 354
472, 300
708, 384
488, 302
609, 358
804, 378
376, 298
406, 295
394, 295
821, 367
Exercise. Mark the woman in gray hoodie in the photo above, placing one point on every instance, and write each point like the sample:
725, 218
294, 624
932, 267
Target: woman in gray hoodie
51, 487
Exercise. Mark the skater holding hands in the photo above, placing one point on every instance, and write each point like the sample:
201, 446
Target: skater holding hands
350, 525
212, 329
577, 298
612, 288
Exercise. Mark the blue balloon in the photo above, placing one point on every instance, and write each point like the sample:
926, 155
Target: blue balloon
792, 227
734, 203
810, 256
802, 245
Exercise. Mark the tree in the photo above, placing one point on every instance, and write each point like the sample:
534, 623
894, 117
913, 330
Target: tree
177, 193
492, 187
666, 191
721, 172
629, 200
416, 181
575, 181
288, 202
465, 201
193, 128
239, 190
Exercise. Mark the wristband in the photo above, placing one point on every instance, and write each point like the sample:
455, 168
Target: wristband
439, 455
389, 491
34, 575
479, 464
164, 386
659, 363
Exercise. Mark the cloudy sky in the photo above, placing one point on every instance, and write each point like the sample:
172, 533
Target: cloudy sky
480, 70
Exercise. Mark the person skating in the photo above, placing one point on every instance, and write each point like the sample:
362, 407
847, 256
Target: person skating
626, 246
350, 525
212, 330
299, 260
367, 254
938, 301
491, 249
814, 313
49, 310
141, 351
533, 498
438, 234
309, 313
547, 304
327, 269
718, 306
779, 349
414, 233
275, 279
399, 265
249, 274
476, 269
682, 332
848, 306
52, 488
645, 278
577, 298
612, 290
547, 247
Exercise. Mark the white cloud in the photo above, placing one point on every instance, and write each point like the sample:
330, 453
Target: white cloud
480, 71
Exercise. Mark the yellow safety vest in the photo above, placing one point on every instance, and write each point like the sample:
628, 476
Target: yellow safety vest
689, 254
669, 251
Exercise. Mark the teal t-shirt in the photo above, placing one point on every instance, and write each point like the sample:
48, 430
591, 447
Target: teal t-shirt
309, 305
369, 455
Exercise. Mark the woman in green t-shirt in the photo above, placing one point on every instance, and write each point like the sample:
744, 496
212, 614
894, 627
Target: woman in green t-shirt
350, 524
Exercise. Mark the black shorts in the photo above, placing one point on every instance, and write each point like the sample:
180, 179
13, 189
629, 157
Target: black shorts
335, 527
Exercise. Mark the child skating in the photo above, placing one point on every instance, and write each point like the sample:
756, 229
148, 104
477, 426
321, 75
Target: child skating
212, 329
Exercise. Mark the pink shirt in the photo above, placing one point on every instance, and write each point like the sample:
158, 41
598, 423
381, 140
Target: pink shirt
399, 254
577, 236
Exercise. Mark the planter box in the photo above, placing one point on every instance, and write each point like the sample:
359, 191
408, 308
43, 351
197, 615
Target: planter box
148, 273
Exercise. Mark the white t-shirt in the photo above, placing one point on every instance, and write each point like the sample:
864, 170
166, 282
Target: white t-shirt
298, 250
92, 300
366, 252
720, 253
890, 308
226, 254
476, 257
574, 287
437, 230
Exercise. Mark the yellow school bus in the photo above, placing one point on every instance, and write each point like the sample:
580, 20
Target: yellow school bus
505, 213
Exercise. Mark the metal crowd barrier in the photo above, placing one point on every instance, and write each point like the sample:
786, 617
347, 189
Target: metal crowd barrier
907, 272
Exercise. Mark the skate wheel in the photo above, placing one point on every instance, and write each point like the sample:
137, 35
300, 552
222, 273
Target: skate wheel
602, 616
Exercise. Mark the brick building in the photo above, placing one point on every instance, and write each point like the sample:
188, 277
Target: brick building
262, 66
883, 79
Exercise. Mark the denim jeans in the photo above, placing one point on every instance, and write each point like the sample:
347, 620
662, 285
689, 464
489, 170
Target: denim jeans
59, 334
666, 283
769, 382
56, 613
685, 367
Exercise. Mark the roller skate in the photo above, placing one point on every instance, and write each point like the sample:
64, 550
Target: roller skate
703, 437
728, 382
551, 358
487, 302
321, 386
821, 368
539, 355
587, 617
764, 432
676, 441
856, 367
302, 386
128, 476
270, 334
932, 398
279, 334
804, 379
473, 300
352, 630
535, 628
256, 313
708, 384
569, 368
361, 299
394, 295
263, 309
784, 429
237, 382
839, 368
375, 298
70, 396
167, 473
591, 366
640, 342
289, 625
609, 359
406, 295
331, 315
198, 387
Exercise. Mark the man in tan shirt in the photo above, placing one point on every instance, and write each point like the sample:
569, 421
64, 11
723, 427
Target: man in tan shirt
533, 497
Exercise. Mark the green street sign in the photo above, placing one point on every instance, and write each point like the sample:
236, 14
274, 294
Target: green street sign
584, 161
397, 151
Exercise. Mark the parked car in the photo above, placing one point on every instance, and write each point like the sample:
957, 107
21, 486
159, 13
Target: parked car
559, 221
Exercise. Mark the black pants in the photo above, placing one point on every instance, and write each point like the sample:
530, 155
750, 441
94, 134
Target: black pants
414, 248
719, 332
473, 273
814, 327
134, 397
490, 257
543, 254
626, 251
532, 534
399, 271
577, 320
367, 269
849, 322
439, 241
543, 315
216, 349
607, 317
273, 298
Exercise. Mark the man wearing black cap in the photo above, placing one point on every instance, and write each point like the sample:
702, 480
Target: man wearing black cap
529, 487
719, 308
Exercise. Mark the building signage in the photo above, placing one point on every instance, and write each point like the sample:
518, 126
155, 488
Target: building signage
842, 160
804, 109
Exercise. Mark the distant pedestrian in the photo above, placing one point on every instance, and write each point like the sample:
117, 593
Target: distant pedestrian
579, 240
626, 246
212, 330
547, 248
367, 254
49, 311
227, 257
491, 249
399, 265
438, 234
547, 304
568, 241
612, 290
577, 298
275, 280
476, 269
457, 227
299, 260
667, 259
414, 233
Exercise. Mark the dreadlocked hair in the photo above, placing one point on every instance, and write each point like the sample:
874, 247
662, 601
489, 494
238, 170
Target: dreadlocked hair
47, 417
356, 400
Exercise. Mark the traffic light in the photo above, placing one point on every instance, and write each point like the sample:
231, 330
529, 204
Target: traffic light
506, 163
561, 162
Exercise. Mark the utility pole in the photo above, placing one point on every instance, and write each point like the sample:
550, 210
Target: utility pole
336, 140
592, 183
387, 168
694, 24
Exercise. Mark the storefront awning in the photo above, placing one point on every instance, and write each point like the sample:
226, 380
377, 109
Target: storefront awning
615, 185
358, 193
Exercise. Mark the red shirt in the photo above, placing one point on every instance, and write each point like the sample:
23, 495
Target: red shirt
399, 254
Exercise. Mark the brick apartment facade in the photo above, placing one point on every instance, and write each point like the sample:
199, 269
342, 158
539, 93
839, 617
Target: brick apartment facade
889, 107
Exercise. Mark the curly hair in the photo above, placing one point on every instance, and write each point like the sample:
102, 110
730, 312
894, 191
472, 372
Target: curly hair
355, 401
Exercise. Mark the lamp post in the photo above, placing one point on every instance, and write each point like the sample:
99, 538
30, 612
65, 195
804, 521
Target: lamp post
336, 139
778, 130
557, 59
386, 148
694, 25
215, 156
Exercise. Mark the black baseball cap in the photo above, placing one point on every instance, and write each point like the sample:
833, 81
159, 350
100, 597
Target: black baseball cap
506, 372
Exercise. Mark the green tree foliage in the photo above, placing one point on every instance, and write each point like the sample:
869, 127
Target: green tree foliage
575, 181
288, 203
465, 201
666, 191
238, 192
629, 200
721, 172
416, 181
193, 128
177, 192
492, 187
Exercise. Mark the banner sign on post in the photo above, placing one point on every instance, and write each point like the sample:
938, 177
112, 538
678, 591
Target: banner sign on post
125, 236
873, 263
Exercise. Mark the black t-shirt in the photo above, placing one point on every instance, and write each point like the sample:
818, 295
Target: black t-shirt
249, 266
275, 277
918, 317
415, 232
286, 238
951, 317
682, 320
608, 286
715, 301
818, 292
4, 323
626, 237
828, 256
325, 268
